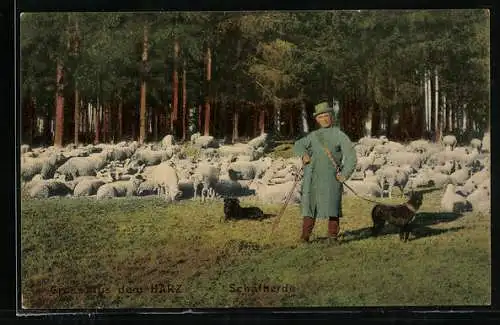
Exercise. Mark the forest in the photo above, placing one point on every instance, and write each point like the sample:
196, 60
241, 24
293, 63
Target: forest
89, 77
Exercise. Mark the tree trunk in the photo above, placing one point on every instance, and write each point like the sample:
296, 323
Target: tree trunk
156, 124
142, 118
184, 103
436, 106
262, 120
368, 122
277, 116
207, 100
120, 118
96, 123
59, 124
200, 113
175, 90
236, 115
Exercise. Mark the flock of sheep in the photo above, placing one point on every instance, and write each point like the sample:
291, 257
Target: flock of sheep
217, 170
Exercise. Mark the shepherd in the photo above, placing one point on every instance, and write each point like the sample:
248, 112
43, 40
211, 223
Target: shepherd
322, 183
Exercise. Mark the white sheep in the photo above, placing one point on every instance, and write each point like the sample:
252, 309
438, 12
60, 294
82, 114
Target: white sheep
460, 176
120, 188
476, 179
363, 188
364, 163
476, 144
392, 176
45, 165
405, 158
151, 157
480, 200
165, 177
449, 141
84, 166
48, 188
206, 174
275, 193
453, 202
362, 150
87, 187
445, 168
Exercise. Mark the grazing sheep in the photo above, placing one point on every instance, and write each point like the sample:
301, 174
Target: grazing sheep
480, 199
48, 188
445, 168
453, 202
165, 177
84, 166
259, 141
194, 137
87, 187
460, 176
476, 179
120, 188
476, 145
44, 165
450, 142
363, 188
405, 158
244, 170
205, 141
151, 157
275, 193
419, 146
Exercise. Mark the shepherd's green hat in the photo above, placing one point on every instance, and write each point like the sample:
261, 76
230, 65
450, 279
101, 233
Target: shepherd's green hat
322, 108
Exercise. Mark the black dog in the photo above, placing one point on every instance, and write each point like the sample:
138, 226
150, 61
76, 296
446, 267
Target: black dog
233, 211
400, 215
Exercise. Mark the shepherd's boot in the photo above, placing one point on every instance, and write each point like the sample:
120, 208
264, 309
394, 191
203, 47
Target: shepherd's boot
333, 230
307, 228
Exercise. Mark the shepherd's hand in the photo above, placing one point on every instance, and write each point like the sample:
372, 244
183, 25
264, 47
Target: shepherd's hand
340, 178
306, 159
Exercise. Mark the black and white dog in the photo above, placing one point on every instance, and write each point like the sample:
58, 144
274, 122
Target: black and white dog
399, 215
233, 211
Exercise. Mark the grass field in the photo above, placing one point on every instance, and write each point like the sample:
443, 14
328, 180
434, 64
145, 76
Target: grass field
83, 253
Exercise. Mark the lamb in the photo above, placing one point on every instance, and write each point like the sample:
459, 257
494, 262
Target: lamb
84, 166
450, 142
48, 188
453, 202
120, 188
166, 179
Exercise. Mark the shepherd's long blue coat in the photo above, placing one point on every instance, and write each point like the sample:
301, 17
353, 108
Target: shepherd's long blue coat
321, 192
